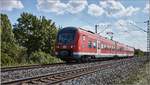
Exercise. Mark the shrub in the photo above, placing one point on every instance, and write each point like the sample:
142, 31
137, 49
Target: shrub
12, 54
43, 58
6, 60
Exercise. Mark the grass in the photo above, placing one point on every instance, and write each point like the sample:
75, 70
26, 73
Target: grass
54, 60
137, 77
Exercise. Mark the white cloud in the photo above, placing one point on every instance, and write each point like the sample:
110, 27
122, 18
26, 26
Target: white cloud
95, 10
115, 8
109, 7
9, 5
75, 6
112, 4
129, 11
147, 8
56, 6
51, 6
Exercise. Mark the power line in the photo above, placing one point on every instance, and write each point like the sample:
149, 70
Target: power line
105, 29
138, 27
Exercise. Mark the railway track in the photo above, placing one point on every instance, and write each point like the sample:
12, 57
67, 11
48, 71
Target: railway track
61, 76
7, 69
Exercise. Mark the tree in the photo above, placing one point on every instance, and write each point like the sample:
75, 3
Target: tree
6, 29
138, 53
35, 33
10, 51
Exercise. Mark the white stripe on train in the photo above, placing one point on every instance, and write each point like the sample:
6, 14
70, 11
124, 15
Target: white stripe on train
105, 54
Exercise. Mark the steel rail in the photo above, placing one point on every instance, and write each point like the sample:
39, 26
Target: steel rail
7, 69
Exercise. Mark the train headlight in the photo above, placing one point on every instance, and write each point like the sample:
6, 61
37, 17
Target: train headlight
71, 46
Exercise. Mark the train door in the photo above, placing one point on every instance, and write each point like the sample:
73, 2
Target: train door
98, 47
83, 43
116, 48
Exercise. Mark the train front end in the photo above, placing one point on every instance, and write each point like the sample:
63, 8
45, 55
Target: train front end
66, 44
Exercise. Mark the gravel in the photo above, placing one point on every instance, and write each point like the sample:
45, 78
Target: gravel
112, 75
20, 74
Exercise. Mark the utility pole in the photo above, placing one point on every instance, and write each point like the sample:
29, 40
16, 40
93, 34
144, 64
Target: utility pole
148, 35
96, 26
148, 38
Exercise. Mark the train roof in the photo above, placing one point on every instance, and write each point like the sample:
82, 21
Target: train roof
69, 28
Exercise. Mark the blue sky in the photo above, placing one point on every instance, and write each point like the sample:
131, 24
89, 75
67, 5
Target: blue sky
113, 15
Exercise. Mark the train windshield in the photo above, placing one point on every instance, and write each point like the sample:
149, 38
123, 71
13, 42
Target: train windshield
66, 37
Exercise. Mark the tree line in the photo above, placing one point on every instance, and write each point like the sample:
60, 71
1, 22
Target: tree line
30, 40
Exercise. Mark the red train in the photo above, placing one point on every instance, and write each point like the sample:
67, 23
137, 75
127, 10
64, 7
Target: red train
81, 45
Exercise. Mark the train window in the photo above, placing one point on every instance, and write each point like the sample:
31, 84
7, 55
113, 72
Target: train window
66, 37
83, 37
102, 46
94, 44
99, 45
83, 46
90, 44
108, 46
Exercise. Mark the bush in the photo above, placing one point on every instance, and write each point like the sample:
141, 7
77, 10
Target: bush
138, 53
12, 54
43, 58
6, 60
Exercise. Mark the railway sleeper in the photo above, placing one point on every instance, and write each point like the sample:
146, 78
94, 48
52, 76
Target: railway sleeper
45, 80
36, 81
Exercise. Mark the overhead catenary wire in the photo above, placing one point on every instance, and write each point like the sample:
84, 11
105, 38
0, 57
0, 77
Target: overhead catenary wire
139, 27
105, 29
